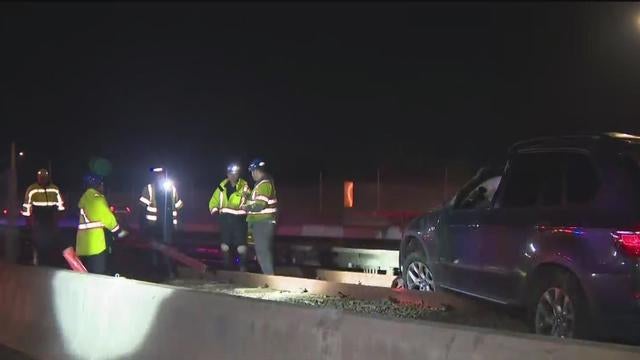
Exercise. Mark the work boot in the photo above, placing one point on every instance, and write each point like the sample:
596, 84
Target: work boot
242, 257
172, 275
171, 270
243, 262
35, 258
228, 260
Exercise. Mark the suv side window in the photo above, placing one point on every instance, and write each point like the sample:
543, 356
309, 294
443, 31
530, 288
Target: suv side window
582, 179
534, 178
482, 195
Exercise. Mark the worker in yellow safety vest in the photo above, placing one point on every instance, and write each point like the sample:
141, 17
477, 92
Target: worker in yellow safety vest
262, 207
226, 201
95, 218
160, 204
42, 203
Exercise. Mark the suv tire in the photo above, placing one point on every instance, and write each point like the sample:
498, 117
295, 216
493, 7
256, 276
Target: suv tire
416, 273
558, 307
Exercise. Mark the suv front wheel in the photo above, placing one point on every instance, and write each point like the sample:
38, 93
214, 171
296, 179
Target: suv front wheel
416, 274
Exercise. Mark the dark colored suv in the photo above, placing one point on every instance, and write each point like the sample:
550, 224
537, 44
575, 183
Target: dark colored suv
556, 231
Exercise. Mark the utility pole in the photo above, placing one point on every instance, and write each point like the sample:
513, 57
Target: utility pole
378, 190
444, 187
11, 236
320, 193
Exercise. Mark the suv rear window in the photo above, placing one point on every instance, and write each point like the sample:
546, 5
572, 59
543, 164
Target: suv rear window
550, 179
582, 179
532, 176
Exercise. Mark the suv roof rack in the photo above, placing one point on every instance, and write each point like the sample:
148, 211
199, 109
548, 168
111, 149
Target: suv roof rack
574, 140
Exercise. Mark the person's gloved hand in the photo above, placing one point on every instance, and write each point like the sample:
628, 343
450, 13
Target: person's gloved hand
122, 234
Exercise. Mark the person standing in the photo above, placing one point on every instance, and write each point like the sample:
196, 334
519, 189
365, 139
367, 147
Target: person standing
161, 204
261, 210
226, 201
95, 218
42, 203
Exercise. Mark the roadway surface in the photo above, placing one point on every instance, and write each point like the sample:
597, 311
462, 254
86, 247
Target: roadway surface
7, 353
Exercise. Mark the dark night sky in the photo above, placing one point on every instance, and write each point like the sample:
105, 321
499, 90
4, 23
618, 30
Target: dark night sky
339, 87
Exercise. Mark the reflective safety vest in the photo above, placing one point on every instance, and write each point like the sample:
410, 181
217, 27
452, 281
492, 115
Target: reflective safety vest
47, 196
149, 200
229, 203
262, 204
95, 216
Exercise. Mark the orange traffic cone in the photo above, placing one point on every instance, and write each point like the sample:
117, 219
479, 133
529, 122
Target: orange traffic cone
72, 259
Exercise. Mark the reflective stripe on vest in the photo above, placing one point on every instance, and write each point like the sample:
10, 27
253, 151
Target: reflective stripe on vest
271, 203
266, 199
91, 225
44, 203
264, 211
232, 211
86, 225
152, 211
59, 203
227, 210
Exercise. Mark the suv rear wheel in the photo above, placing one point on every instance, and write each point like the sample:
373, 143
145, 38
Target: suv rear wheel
416, 274
558, 307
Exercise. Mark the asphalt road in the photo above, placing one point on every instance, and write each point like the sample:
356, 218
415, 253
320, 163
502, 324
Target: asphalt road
7, 353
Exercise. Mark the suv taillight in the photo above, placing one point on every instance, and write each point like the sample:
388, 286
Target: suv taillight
629, 242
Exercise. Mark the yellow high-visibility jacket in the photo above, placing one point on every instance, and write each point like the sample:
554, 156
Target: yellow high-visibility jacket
95, 216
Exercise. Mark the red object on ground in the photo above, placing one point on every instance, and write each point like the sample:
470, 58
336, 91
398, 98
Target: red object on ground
74, 262
167, 250
179, 257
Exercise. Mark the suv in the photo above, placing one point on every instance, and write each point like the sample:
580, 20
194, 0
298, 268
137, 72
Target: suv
556, 232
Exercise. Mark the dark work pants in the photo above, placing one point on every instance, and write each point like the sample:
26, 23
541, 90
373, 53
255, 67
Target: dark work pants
233, 230
43, 238
263, 232
233, 238
161, 261
95, 264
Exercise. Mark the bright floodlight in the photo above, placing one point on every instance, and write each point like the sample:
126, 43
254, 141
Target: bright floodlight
158, 169
21, 153
167, 185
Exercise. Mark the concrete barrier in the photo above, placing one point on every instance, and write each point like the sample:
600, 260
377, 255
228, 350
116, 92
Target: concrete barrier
58, 314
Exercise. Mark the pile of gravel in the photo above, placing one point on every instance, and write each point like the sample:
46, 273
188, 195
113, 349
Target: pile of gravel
379, 307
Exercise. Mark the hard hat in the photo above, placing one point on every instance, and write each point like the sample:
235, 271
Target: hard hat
92, 180
233, 169
257, 164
